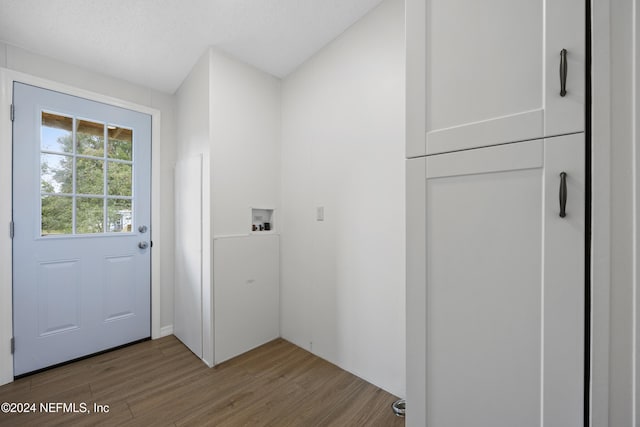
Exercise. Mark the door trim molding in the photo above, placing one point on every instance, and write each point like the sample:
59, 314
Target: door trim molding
600, 211
636, 211
7, 77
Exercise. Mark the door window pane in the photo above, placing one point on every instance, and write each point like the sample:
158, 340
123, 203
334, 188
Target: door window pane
90, 174
56, 215
56, 173
90, 138
120, 215
120, 143
86, 183
56, 133
119, 179
89, 215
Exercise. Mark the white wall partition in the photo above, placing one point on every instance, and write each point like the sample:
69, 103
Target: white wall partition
193, 309
187, 325
245, 174
230, 112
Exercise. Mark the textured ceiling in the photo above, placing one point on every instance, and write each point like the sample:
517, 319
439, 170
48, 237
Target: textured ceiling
156, 42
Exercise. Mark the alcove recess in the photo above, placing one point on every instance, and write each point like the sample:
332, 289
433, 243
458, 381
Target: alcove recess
262, 221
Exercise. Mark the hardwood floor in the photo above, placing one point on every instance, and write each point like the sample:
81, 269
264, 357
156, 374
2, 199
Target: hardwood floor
161, 383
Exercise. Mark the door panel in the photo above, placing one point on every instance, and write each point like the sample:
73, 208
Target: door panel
484, 60
118, 295
58, 293
505, 286
491, 72
81, 188
483, 299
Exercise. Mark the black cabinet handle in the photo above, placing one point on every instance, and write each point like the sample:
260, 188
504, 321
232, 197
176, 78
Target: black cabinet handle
563, 194
563, 72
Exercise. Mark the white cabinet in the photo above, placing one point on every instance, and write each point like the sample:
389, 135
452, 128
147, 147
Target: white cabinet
495, 328
495, 277
481, 73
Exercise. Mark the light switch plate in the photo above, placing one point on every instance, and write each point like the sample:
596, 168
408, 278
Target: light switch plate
320, 213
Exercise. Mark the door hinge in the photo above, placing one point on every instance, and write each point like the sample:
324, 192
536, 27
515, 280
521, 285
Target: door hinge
12, 112
11, 229
13, 345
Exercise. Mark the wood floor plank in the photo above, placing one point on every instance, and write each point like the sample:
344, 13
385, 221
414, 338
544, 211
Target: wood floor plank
162, 383
164, 376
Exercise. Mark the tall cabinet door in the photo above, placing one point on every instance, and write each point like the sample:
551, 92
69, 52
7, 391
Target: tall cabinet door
504, 287
481, 73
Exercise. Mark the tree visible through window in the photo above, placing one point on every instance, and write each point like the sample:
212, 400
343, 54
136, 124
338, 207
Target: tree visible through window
86, 185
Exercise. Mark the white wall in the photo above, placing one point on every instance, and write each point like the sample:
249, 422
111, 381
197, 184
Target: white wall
192, 111
18, 59
245, 151
193, 307
245, 158
343, 279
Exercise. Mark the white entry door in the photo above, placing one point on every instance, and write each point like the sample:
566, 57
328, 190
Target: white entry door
81, 212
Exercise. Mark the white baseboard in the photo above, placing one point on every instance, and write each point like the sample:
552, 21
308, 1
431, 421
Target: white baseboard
166, 331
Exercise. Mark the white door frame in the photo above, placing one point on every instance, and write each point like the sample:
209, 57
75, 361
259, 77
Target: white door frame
636, 213
600, 210
7, 77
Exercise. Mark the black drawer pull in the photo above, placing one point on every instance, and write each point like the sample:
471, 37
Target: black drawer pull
563, 194
563, 72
